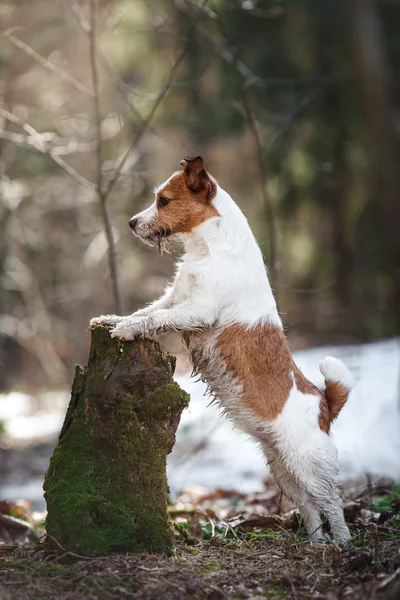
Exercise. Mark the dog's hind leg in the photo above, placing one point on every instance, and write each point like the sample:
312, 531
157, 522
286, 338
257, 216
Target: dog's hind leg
318, 482
313, 522
293, 491
332, 507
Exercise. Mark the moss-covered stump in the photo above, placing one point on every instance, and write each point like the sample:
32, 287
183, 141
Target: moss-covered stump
106, 486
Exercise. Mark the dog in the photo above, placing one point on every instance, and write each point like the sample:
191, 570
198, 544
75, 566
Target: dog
222, 303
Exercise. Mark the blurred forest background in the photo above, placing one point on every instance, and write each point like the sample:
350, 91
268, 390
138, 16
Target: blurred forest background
295, 107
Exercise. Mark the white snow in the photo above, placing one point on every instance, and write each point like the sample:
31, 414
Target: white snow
28, 417
367, 431
211, 453
15, 404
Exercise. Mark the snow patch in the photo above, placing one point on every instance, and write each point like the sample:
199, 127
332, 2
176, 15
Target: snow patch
211, 452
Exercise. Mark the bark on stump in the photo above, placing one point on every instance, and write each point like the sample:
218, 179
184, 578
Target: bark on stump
106, 486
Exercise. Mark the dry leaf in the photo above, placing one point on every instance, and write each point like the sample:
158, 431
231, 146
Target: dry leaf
12, 530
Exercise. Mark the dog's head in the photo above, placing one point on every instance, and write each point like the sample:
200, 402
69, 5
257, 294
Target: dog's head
182, 203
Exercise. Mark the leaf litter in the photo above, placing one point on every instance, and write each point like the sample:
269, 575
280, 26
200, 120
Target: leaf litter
228, 545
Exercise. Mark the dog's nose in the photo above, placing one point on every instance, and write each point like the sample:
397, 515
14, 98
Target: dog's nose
133, 223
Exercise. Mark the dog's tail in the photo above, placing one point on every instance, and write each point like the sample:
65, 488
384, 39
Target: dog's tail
338, 384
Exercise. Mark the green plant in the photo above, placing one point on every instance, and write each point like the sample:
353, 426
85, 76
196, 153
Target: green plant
385, 503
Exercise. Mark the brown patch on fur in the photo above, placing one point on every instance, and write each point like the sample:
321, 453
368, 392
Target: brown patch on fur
306, 387
260, 358
324, 417
186, 208
336, 395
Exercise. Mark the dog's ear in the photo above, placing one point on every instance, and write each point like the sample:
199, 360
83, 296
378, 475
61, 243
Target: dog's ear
197, 179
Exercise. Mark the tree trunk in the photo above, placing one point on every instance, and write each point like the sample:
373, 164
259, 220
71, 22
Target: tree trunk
371, 55
106, 486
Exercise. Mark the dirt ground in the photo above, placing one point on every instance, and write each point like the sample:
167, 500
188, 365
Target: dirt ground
232, 546
259, 568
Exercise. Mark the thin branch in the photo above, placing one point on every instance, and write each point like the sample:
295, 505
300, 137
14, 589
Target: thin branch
46, 63
290, 117
146, 123
271, 216
96, 94
221, 47
218, 44
42, 146
101, 193
78, 14
316, 290
63, 147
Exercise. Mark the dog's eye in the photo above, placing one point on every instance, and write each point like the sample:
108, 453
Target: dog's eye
163, 201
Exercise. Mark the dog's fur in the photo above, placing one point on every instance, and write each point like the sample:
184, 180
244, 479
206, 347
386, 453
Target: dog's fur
222, 304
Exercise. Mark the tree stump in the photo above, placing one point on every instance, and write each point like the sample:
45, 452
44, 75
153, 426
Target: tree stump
106, 486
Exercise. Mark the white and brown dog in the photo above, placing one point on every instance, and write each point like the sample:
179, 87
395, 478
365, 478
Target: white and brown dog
222, 304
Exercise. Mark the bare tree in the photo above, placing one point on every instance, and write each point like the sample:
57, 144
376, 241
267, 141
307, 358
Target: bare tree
102, 193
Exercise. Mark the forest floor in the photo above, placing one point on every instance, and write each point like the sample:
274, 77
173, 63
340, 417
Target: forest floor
229, 546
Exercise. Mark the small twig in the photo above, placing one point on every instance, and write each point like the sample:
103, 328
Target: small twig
388, 580
42, 146
373, 530
280, 504
47, 535
168, 569
47, 64
370, 490
74, 555
295, 596
80, 17
18, 582
213, 587
102, 194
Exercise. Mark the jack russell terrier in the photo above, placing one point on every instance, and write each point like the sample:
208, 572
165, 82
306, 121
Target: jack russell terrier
222, 304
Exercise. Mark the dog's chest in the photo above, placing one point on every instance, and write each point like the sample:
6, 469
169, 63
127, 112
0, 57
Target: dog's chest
210, 365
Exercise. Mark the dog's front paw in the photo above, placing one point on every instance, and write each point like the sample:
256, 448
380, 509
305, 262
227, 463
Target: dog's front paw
129, 329
106, 320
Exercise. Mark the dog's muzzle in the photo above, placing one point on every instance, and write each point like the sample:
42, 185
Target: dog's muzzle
147, 234
133, 222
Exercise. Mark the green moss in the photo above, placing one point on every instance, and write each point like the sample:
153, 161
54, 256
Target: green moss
106, 487
158, 361
79, 514
215, 565
186, 536
191, 550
